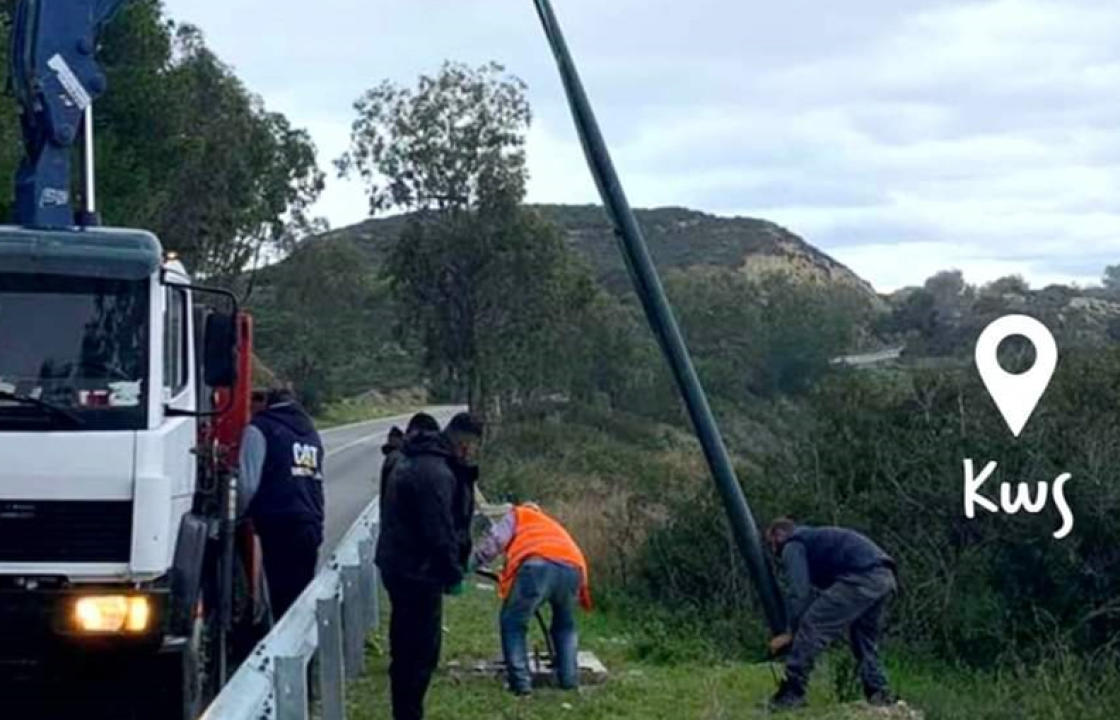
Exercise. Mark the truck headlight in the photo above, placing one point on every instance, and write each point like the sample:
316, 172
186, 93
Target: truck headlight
112, 613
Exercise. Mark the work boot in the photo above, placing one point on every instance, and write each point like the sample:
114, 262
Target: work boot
882, 697
790, 695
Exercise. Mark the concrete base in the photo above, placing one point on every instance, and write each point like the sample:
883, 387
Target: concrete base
591, 669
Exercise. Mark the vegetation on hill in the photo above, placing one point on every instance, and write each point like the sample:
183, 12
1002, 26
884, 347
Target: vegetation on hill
946, 314
702, 257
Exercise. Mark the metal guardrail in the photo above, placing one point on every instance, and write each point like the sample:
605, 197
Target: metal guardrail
328, 622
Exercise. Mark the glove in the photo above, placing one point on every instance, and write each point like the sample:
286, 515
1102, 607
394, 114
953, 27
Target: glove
456, 589
780, 643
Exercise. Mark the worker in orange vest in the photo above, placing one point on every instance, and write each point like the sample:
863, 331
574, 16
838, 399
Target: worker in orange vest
543, 564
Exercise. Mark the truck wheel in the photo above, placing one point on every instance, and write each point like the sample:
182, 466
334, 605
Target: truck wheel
197, 674
176, 683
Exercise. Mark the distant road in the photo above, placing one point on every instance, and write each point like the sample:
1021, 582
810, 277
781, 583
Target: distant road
353, 466
872, 358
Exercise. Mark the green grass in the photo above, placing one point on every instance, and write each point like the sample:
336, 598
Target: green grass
636, 689
666, 661
683, 680
344, 412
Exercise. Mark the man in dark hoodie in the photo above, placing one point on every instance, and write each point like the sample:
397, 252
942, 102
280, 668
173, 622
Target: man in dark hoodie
423, 548
839, 581
392, 448
281, 491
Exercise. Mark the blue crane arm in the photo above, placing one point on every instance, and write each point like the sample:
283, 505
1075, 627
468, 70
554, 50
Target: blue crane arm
55, 77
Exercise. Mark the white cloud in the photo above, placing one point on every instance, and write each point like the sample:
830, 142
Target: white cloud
901, 137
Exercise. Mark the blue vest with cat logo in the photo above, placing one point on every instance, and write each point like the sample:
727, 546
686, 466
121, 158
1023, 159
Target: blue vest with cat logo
292, 477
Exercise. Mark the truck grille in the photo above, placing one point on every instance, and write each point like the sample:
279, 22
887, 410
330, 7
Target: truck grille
65, 530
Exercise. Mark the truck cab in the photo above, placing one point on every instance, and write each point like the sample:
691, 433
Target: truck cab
104, 539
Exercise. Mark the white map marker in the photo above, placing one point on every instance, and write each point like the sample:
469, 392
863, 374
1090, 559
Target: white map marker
1016, 395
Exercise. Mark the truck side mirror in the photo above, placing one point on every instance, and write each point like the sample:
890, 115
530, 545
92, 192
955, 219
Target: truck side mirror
220, 356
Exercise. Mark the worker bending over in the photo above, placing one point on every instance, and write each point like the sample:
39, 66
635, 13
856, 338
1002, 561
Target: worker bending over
853, 578
543, 564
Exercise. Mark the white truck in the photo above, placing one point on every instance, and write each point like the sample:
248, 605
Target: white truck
116, 482
123, 573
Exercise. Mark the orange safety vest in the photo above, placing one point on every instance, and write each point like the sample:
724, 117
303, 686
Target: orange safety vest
537, 535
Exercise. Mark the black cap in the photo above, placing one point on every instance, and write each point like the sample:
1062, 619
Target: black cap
466, 424
422, 422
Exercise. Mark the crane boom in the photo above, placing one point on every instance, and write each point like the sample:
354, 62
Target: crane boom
56, 78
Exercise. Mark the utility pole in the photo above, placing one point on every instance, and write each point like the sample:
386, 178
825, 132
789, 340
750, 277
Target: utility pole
664, 325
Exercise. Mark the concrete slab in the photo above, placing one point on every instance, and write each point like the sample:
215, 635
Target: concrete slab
591, 669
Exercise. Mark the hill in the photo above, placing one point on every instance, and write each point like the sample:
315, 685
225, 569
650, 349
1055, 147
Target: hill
677, 238
342, 342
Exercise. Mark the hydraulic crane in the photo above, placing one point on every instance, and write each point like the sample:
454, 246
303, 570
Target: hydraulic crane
56, 78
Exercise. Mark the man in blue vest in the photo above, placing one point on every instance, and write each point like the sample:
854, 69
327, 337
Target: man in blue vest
839, 581
281, 491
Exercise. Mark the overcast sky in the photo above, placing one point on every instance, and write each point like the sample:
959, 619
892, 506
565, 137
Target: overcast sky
901, 137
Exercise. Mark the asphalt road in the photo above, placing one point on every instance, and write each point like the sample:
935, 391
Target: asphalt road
353, 467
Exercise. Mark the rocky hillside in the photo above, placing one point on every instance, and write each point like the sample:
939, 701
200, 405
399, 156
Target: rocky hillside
677, 237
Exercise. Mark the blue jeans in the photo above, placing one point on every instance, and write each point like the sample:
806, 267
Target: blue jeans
539, 581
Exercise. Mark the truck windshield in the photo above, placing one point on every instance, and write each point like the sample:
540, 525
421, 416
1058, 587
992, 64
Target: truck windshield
73, 352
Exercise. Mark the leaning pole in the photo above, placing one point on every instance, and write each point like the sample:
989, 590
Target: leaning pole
664, 325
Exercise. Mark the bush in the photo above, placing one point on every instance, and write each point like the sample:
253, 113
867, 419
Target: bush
878, 451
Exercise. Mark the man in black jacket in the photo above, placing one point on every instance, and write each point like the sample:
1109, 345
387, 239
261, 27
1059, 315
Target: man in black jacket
423, 548
853, 578
395, 441
281, 491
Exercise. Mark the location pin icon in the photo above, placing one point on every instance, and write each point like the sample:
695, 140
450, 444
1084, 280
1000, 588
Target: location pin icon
1016, 395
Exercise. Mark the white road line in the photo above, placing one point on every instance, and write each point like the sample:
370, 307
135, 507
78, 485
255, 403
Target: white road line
389, 419
349, 445
437, 410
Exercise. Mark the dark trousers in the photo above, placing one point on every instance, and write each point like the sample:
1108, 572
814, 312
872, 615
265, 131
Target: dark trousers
415, 636
538, 582
855, 602
291, 552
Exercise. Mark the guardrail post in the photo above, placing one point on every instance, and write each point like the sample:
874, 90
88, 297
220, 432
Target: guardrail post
300, 668
375, 599
369, 588
353, 621
290, 686
328, 616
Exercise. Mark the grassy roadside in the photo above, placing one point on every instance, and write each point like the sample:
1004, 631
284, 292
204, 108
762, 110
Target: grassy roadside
636, 688
362, 408
611, 479
685, 685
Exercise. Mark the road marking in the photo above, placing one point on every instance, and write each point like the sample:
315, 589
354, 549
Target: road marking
435, 410
371, 421
349, 445
439, 411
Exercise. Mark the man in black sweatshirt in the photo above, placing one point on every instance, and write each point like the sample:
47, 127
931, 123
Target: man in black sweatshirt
281, 490
391, 450
423, 548
852, 579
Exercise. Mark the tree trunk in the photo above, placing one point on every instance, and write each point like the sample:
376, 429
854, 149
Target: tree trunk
476, 400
